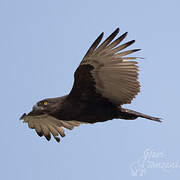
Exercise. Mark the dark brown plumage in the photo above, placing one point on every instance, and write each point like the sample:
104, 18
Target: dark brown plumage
105, 80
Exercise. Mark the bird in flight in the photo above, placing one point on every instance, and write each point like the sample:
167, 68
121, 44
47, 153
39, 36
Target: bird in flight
105, 80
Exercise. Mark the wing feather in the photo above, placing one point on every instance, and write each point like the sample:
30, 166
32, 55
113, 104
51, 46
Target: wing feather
45, 125
114, 43
105, 71
54, 132
46, 131
107, 41
38, 129
93, 46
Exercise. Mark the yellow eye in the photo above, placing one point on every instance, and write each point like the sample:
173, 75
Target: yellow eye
45, 103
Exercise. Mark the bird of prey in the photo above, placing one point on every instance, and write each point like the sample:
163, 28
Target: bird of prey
105, 80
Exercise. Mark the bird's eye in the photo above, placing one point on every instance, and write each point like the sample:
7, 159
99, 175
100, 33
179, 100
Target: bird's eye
45, 103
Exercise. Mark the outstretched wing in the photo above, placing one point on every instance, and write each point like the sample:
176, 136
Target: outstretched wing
45, 125
106, 72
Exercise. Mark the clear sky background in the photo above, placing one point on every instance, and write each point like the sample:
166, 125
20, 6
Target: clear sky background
41, 44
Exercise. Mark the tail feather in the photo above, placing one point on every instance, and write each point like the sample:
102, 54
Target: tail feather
137, 114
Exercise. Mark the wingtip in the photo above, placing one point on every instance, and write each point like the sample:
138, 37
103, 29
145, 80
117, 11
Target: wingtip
135, 50
101, 35
40, 134
117, 30
48, 137
141, 58
123, 36
130, 42
57, 139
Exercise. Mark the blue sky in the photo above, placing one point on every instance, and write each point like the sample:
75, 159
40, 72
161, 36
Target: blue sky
42, 43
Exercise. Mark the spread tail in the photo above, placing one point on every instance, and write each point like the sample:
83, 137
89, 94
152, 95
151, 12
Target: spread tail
130, 114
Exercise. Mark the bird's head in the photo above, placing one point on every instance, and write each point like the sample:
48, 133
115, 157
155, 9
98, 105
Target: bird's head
44, 106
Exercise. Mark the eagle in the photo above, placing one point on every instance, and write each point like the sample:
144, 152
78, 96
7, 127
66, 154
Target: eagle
105, 80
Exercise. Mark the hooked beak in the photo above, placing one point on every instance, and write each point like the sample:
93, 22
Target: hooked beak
37, 108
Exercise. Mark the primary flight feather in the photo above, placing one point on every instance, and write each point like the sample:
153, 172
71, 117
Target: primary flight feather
105, 79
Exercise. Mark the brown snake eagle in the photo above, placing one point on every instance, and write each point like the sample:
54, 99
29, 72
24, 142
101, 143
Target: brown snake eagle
105, 79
